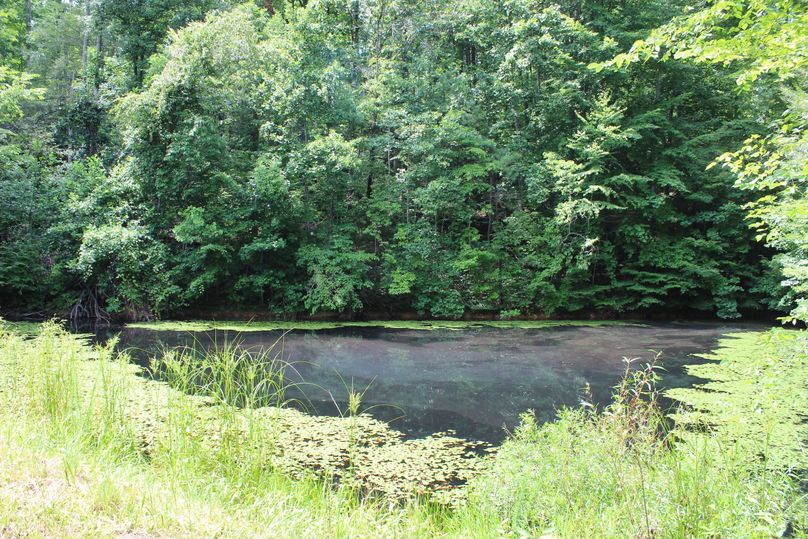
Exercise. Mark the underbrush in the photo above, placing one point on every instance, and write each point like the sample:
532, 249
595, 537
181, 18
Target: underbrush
756, 394
621, 473
91, 449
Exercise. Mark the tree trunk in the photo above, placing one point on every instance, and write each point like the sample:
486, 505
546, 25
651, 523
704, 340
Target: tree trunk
85, 38
28, 15
99, 62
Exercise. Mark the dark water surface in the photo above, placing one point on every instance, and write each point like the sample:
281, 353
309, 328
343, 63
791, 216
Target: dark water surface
474, 381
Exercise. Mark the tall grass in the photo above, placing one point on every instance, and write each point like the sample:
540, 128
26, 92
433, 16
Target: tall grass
621, 472
239, 386
52, 386
226, 372
193, 457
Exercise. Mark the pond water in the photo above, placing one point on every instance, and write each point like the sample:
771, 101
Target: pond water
475, 382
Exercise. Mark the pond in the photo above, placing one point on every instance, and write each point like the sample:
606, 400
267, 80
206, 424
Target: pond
474, 381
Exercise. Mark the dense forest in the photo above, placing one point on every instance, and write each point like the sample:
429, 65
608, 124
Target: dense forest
511, 157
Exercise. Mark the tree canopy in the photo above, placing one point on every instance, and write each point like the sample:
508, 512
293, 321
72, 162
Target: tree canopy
516, 157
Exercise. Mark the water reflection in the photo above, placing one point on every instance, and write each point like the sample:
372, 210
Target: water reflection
476, 381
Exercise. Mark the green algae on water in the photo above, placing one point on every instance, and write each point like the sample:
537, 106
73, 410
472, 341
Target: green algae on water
212, 325
22, 328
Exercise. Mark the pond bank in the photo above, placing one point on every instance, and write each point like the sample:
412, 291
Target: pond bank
356, 448
107, 453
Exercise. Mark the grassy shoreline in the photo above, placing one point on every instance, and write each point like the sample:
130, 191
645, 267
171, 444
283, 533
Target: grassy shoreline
90, 449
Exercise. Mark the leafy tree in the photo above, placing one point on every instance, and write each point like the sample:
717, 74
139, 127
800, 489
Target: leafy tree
141, 25
337, 275
776, 166
756, 36
759, 39
386, 155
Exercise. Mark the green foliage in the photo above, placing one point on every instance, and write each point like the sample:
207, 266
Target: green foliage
337, 274
364, 156
755, 395
141, 25
618, 471
757, 36
25, 205
12, 33
14, 90
775, 166
122, 262
761, 40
